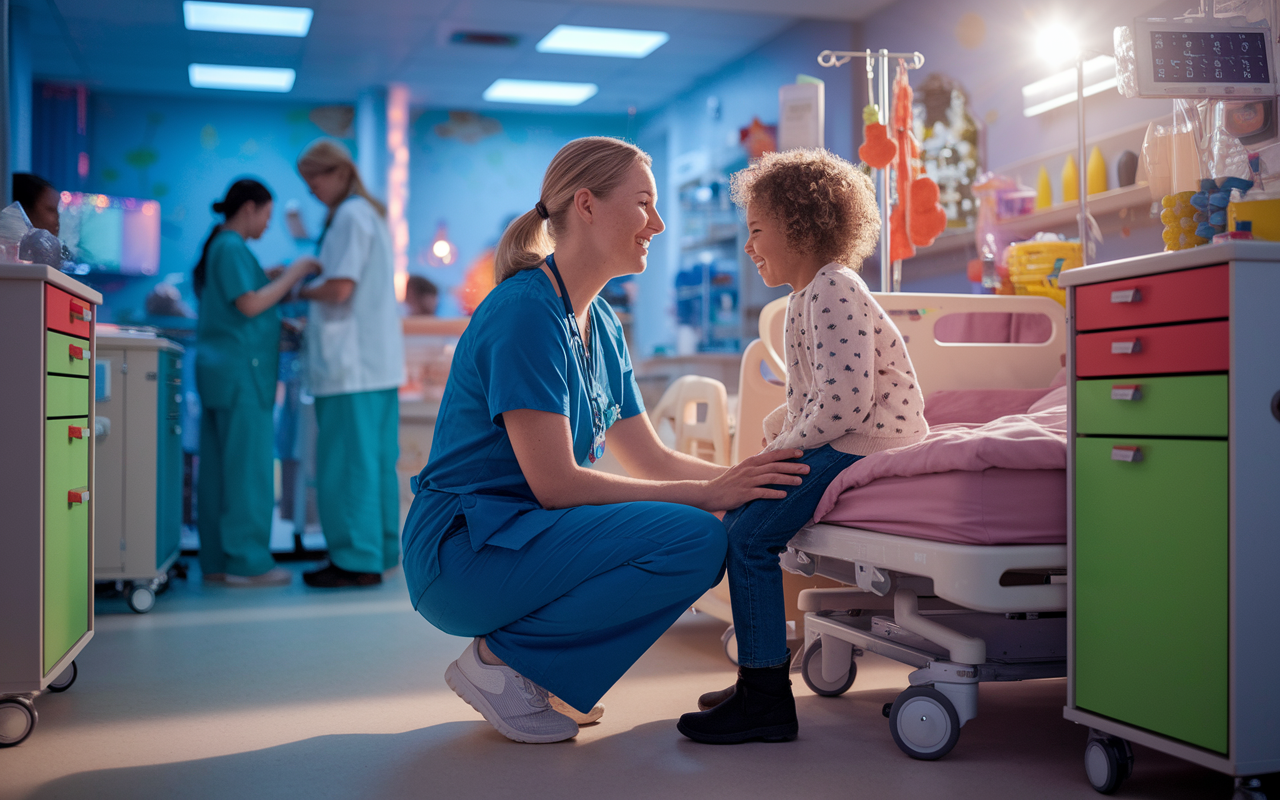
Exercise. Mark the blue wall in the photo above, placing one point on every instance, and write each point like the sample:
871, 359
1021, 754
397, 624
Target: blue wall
184, 153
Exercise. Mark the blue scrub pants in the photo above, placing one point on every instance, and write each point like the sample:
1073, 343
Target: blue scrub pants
574, 608
758, 533
357, 496
235, 492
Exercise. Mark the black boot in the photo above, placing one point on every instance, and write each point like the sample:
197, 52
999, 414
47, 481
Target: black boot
761, 708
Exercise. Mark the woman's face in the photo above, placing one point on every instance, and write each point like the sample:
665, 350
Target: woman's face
767, 246
628, 220
257, 218
45, 213
330, 185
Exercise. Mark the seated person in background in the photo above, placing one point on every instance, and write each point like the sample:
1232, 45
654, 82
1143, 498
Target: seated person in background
421, 297
38, 199
851, 391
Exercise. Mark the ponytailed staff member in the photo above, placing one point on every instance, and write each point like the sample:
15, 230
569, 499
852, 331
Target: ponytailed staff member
355, 365
237, 352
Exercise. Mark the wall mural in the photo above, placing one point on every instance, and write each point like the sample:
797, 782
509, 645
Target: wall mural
951, 145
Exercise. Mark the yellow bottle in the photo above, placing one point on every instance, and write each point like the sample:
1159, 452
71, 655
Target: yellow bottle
1096, 175
1070, 181
1044, 190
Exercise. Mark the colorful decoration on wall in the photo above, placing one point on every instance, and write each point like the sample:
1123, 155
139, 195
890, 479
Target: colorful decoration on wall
951, 153
758, 138
467, 127
398, 181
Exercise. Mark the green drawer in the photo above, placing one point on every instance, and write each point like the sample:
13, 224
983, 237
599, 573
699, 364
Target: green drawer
66, 397
1151, 576
1187, 405
60, 354
66, 540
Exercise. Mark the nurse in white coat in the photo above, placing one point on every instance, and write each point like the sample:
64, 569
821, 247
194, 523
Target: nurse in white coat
355, 364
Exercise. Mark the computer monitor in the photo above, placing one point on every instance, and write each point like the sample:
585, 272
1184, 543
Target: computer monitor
111, 234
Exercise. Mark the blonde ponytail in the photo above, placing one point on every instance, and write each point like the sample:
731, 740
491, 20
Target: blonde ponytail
597, 163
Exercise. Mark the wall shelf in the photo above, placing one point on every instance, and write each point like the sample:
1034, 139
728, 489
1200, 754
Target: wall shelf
1062, 217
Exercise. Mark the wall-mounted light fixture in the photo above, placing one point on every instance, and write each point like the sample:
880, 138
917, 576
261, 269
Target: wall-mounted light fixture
398, 181
1059, 89
443, 252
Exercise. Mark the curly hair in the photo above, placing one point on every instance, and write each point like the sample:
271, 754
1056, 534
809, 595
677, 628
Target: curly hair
826, 205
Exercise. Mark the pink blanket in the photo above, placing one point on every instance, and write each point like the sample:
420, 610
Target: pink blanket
1035, 440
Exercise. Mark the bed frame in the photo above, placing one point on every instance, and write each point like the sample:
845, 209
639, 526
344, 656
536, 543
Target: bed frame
960, 614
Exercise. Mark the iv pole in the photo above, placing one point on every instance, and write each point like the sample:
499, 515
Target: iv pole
890, 276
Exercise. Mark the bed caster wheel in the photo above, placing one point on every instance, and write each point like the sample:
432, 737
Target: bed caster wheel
17, 720
730, 641
1249, 789
141, 598
1108, 761
811, 671
924, 723
63, 682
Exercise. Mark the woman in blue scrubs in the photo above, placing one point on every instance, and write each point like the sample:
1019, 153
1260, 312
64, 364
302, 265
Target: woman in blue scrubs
564, 575
237, 350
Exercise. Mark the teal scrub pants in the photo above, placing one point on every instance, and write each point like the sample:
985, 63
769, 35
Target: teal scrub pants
235, 494
356, 488
575, 607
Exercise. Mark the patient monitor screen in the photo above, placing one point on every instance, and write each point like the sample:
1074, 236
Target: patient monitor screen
1209, 57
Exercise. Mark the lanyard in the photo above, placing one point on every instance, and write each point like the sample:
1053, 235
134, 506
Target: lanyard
576, 334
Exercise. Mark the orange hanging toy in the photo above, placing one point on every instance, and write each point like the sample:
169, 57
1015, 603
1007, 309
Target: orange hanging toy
878, 151
917, 219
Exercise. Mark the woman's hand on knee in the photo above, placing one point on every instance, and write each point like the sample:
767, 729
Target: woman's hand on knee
754, 478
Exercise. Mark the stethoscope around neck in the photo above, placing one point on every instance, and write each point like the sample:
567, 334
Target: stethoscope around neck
602, 415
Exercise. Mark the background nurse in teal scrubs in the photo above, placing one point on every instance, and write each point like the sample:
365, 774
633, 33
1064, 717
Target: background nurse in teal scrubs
237, 349
564, 575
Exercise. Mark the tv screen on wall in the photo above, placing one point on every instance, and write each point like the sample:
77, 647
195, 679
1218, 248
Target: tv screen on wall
111, 234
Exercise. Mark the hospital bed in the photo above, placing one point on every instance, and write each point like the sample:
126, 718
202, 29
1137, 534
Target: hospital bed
961, 613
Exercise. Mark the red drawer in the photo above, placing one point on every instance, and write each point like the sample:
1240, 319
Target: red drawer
1152, 299
66, 313
1199, 347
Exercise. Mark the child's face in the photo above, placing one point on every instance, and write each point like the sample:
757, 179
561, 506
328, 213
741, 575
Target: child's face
767, 245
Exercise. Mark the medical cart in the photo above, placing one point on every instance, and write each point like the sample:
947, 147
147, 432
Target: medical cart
139, 502
46, 487
1173, 539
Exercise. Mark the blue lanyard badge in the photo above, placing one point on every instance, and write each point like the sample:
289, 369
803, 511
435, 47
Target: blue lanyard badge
602, 413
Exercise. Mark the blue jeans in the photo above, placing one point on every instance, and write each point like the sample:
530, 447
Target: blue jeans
758, 533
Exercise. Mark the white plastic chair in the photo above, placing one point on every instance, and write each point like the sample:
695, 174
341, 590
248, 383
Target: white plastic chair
757, 394
698, 410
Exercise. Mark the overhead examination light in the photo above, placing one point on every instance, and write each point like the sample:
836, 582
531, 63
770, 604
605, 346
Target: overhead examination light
616, 42
551, 93
249, 79
246, 18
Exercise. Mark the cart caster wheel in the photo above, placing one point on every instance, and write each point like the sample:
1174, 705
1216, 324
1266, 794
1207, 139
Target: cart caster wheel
924, 723
1108, 761
141, 598
63, 682
17, 720
161, 583
1249, 789
811, 671
730, 641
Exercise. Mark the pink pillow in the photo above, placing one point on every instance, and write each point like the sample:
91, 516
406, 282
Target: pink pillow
978, 405
1055, 397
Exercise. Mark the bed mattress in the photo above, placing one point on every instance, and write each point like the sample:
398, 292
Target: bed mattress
990, 507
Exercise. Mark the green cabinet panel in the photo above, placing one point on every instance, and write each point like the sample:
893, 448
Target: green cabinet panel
1151, 586
66, 397
59, 356
66, 540
1190, 405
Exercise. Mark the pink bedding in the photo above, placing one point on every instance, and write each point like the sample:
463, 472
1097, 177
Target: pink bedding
1001, 482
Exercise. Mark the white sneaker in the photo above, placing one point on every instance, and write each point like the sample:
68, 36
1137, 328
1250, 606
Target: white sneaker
590, 718
515, 705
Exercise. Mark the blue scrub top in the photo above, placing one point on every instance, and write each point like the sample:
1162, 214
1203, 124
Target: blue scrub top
516, 353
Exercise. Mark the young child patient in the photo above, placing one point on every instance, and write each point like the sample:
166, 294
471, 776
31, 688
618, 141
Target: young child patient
851, 391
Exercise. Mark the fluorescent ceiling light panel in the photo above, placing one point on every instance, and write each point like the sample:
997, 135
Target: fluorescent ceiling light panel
249, 79
550, 93
616, 42
1060, 89
245, 18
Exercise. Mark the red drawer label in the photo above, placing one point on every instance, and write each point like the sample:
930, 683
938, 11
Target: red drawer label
1199, 347
66, 313
1153, 299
